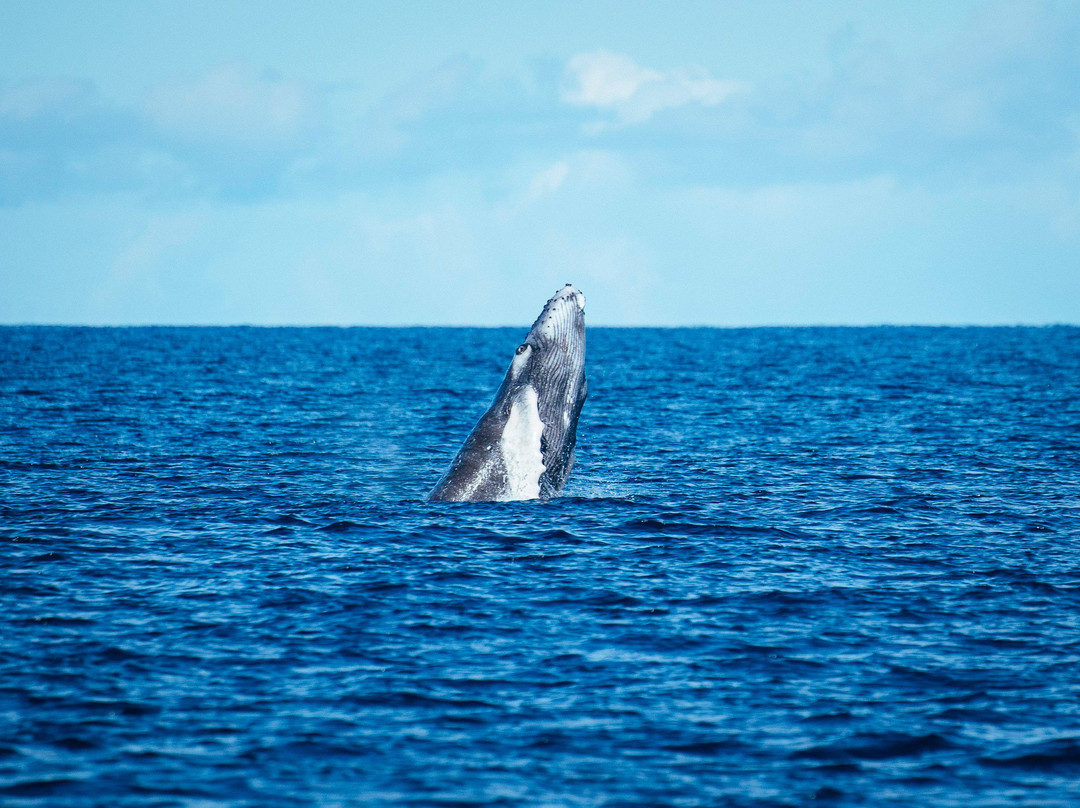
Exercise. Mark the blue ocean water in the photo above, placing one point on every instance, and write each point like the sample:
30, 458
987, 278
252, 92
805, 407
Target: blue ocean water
792, 567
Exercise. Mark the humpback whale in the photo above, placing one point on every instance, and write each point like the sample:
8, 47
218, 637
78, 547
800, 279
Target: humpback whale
523, 446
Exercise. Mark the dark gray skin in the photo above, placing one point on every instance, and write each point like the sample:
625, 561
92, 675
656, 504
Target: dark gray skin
523, 446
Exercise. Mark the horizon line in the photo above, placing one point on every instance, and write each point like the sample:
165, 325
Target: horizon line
668, 326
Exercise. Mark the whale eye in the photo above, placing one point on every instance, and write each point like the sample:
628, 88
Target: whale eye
522, 348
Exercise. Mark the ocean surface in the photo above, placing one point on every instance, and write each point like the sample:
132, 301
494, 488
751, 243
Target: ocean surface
804, 566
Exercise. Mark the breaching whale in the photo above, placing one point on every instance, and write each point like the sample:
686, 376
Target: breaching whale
523, 446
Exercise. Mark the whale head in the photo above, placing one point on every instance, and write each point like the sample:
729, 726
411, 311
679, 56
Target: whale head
550, 362
523, 446
553, 352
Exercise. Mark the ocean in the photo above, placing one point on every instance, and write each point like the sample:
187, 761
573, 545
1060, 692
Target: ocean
792, 566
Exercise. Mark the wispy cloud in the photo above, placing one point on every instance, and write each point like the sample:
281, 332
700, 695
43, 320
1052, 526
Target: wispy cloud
236, 105
614, 82
1003, 95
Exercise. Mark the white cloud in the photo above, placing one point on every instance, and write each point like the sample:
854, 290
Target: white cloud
603, 79
614, 82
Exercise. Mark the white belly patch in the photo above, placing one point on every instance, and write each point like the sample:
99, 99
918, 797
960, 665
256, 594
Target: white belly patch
520, 447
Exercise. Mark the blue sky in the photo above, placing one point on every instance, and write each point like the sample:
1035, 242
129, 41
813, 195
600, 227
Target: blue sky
700, 163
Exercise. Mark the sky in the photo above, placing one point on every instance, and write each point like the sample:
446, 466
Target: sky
397, 163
